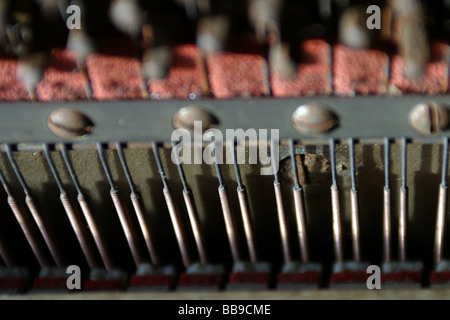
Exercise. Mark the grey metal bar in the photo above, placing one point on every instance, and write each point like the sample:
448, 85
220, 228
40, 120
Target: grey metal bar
362, 117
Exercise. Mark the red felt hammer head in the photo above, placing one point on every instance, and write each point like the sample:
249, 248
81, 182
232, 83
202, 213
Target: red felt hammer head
153, 280
299, 278
434, 81
50, 284
187, 76
10, 88
104, 285
348, 277
313, 73
61, 80
237, 74
249, 278
442, 277
401, 277
13, 284
200, 280
359, 71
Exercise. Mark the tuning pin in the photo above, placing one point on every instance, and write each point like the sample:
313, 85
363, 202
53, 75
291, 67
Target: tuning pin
212, 33
127, 16
30, 70
411, 35
81, 44
402, 273
78, 40
157, 62
52, 9
264, 15
280, 60
325, 9
195, 8
405, 6
414, 47
353, 31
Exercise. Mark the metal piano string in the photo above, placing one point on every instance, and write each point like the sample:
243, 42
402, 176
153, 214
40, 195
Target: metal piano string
135, 200
228, 214
38, 217
386, 205
72, 214
282, 218
88, 214
26, 225
192, 213
173, 210
244, 206
359, 115
209, 273
121, 210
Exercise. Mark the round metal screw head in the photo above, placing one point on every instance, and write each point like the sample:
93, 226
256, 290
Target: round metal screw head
429, 118
313, 119
69, 123
186, 116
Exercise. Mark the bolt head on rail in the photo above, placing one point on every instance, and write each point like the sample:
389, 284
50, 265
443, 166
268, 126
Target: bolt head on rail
313, 119
186, 116
429, 118
69, 123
